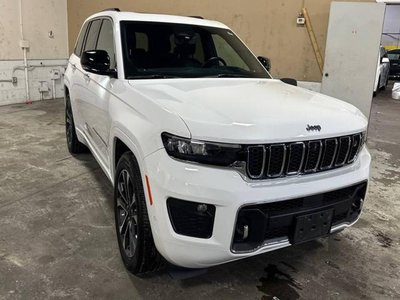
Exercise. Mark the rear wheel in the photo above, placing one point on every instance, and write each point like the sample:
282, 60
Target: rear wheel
135, 239
74, 145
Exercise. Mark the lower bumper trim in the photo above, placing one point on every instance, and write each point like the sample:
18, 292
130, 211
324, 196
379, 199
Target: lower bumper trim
273, 225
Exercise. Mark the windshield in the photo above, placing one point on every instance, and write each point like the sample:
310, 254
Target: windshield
166, 50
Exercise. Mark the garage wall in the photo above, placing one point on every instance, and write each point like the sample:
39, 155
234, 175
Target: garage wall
267, 26
391, 27
49, 53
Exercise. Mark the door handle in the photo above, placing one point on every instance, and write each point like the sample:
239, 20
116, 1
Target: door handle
86, 77
73, 67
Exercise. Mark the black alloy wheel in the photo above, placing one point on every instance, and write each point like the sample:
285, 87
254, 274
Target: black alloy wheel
127, 213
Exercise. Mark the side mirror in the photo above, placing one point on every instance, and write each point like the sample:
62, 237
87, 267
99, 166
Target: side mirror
290, 81
97, 62
266, 62
385, 60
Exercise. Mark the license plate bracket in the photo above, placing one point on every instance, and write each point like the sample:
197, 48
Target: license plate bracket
310, 226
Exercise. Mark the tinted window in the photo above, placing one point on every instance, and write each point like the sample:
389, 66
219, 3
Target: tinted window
91, 39
79, 43
163, 50
106, 41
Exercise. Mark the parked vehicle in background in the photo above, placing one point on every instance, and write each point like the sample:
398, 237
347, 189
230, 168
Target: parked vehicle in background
394, 57
382, 72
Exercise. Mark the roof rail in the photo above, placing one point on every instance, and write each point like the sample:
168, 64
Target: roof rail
197, 17
112, 9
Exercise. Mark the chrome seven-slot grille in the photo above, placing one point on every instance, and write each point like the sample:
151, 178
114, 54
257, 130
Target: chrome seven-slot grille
278, 160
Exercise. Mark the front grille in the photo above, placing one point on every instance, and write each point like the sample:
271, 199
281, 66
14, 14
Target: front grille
278, 160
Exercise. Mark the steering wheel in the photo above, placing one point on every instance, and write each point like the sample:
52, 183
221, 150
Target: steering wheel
213, 60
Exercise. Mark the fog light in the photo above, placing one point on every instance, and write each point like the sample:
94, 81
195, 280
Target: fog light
242, 231
191, 218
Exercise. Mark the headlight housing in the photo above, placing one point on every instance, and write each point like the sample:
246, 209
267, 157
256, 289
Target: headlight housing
219, 154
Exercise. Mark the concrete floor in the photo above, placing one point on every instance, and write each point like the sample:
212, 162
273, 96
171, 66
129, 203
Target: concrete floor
57, 235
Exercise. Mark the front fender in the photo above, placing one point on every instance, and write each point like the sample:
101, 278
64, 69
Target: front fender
138, 122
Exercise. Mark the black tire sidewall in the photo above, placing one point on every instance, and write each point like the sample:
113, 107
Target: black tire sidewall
126, 162
69, 144
75, 146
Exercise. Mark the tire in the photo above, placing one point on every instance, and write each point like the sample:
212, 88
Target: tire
132, 224
74, 145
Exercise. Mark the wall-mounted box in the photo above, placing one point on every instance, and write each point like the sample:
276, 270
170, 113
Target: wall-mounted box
24, 44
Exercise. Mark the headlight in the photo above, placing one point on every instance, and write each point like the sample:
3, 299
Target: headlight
202, 152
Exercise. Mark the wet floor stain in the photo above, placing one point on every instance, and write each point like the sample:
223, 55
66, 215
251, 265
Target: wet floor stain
46, 259
278, 285
383, 239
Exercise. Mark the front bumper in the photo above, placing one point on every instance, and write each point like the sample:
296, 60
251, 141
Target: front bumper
228, 192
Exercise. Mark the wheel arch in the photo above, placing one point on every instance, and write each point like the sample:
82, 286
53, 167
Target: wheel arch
121, 143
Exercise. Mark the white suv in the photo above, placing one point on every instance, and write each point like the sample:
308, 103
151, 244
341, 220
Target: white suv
211, 159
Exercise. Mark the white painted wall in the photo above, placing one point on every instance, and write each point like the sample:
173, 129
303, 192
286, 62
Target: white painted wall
39, 18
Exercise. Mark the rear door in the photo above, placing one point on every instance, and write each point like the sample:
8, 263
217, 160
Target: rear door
76, 84
352, 49
88, 97
100, 86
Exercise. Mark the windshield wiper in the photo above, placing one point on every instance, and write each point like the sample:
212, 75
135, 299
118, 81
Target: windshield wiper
229, 75
151, 76
232, 75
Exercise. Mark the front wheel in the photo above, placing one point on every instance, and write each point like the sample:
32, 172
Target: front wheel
135, 239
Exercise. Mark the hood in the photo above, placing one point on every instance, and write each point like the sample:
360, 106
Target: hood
251, 110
